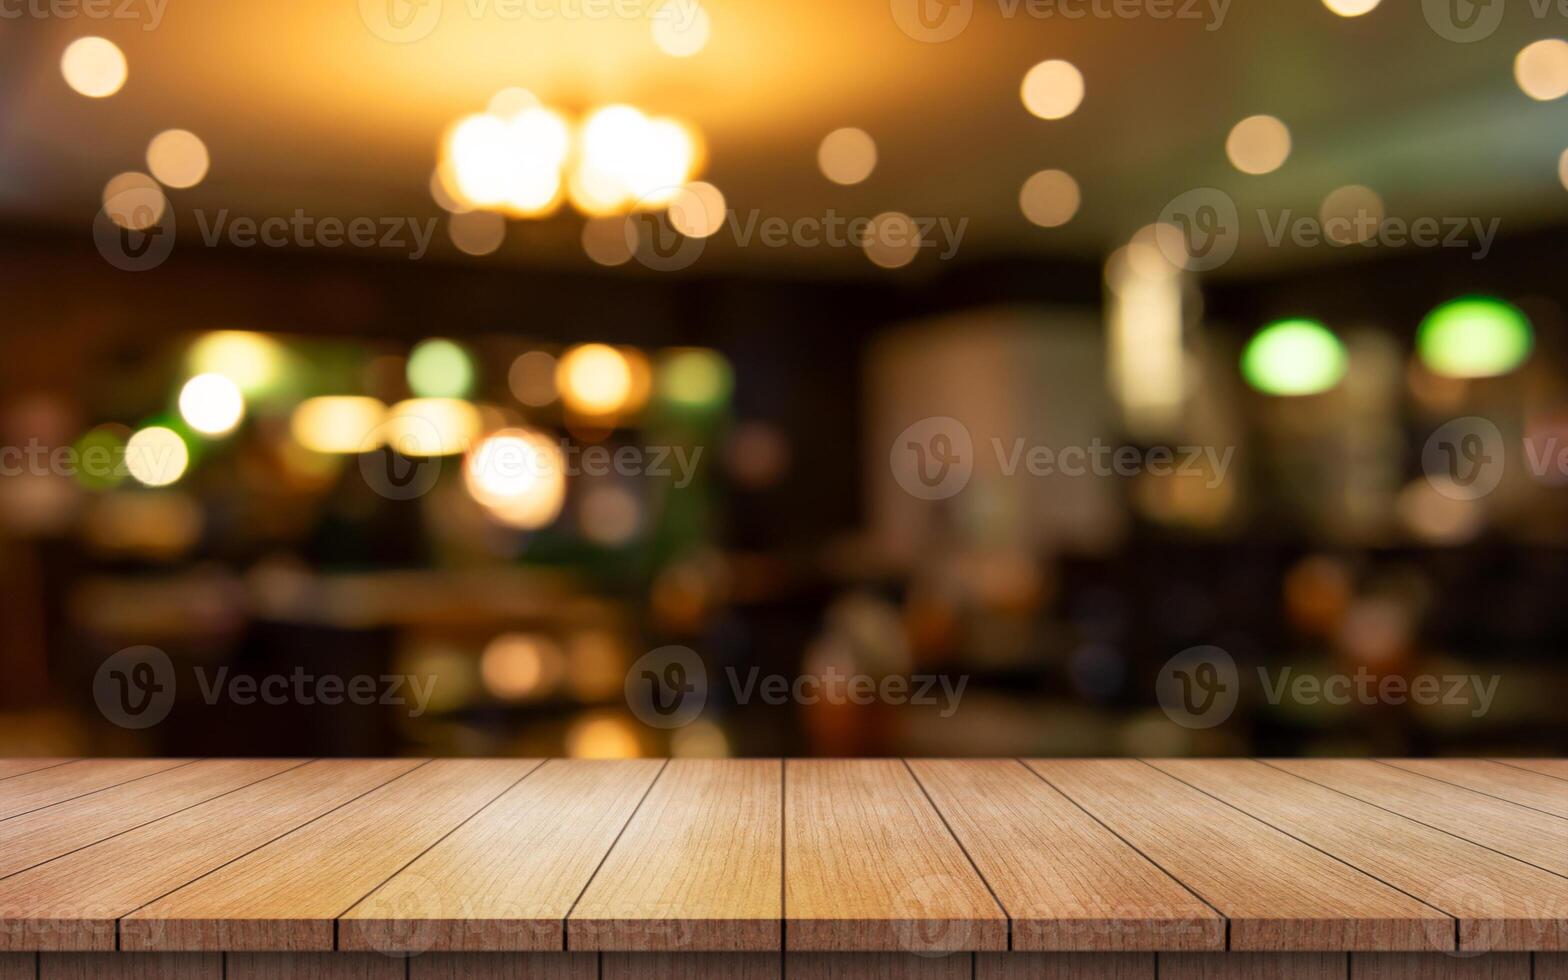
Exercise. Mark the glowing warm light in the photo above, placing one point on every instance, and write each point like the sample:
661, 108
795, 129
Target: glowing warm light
1351, 8
520, 665
1049, 198
847, 156
1294, 357
1541, 69
1052, 89
178, 158
641, 374
695, 378
444, 191
1351, 214
610, 515
156, 456
511, 163
1562, 168
1474, 337
697, 210
1148, 357
602, 736
594, 379
212, 404
701, 739
251, 360
630, 160
476, 232
681, 28
338, 423
892, 240
519, 476
1258, 145
532, 379
432, 426
94, 67
133, 200
440, 368
510, 101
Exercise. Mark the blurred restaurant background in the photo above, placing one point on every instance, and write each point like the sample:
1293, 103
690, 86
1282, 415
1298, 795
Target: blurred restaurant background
724, 265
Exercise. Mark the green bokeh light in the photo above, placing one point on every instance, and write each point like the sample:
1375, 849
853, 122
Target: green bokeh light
1293, 357
100, 455
695, 378
1474, 337
440, 368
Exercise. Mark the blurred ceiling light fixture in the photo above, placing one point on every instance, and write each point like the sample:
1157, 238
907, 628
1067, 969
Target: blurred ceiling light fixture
1474, 337
1351, 8
94, 67
681, 28
212, 404
1052, 89
594, 379
847, 155
251, 360
178, 158
1541, 69
519, 476
1294, 357
156, 456
432, 426
1049, 198
338, 423
1148, 357
1258, 145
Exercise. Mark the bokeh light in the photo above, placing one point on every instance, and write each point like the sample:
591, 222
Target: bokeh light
440, 368
519, 476
133, 200
1474, 337
1258, 145
1351, 8
515, 666
594, 379
602, 735
698, 210
94, 67
338, 423
178, 158
156, 456
1052, 89
681, 28
476, 232
1351, 214
251, 360
1541, 69
605, 240
432, 426
1294, 357
695, 378
1049, 198
847, 155
892, 240
610, 515
532, 379
212, 404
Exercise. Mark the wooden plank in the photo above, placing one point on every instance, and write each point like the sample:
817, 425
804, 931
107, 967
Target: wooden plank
36, 837
313, 966
1531, 789
506, 879
1529, 835
1254, 966
1501, 903
877, 966
1415, 966
1556, 768
1279, 894
288, 894
1064, 966
56, 784
694, 966
869, 865
127, 966
1065, 881
504, 966
73, 902
700, 867
1551, 966
16, 767
18, 966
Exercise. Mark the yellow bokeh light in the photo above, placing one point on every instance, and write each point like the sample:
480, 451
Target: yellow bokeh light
1049, 198
1052, 89
432, 426
134, 200
532, 379
212, 404
512, 163
594, 379
1541, 69
156, 456
606, 240
1351, 214
1351, 8
698, 210
476, 232
1258, 145
892, 240
602, 735
521, 665
847, 155
629, 160
94, 67
251, 360
338, 423
610, 515
681, 28
178, 158
519, 476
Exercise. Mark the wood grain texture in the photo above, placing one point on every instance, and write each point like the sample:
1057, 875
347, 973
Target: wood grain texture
1255, 966
1551, 966
700, 867
36, 837
313, 966
693, 966
507, 878
1556, 768
18, 966
878, 966
1529, 835
56, 784
130, 966
1501, 903
1409, 966
1531, 789
1065, 881
504, 966
16, 767
73, 902
1064, 966
288, 894
869, 865
1278, 893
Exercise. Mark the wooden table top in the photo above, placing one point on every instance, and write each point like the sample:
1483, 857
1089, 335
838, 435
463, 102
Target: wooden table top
764, 855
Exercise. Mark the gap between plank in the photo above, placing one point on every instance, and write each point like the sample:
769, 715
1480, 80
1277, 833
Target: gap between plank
1537, 772
68, 799
946, 826
1472, 789
566, 943
52, 765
